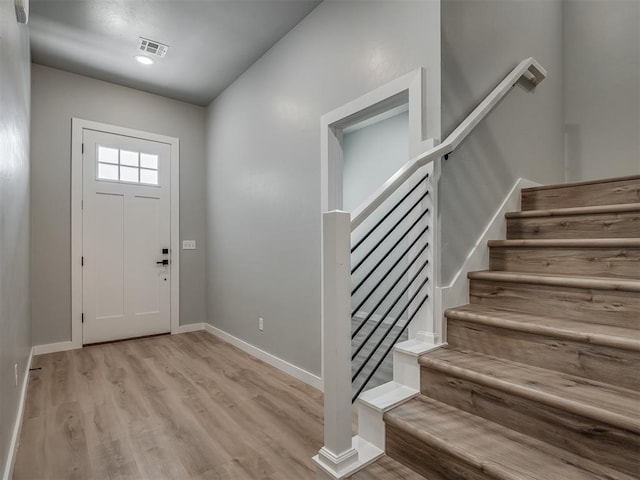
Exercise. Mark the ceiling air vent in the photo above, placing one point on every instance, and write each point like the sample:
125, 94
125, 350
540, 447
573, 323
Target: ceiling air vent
151, 47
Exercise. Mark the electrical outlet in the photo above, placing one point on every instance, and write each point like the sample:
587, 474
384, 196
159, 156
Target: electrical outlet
188, 244
15, 369
261, 323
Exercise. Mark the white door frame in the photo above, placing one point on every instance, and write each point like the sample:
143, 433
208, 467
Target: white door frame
411, 89
77, 127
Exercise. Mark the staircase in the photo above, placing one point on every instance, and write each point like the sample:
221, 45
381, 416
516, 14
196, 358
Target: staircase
541, 375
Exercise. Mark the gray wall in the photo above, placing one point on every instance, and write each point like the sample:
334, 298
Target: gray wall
482, 40
602, 88
263, 163
371, 155
57, 97
15, 330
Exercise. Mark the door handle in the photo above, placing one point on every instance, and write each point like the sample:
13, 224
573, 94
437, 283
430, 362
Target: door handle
163, 262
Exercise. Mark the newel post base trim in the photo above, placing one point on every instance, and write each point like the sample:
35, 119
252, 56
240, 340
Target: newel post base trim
337, 467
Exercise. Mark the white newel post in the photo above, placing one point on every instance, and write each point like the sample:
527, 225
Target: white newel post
338, 455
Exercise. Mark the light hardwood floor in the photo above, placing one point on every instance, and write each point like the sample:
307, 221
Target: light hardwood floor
171, 407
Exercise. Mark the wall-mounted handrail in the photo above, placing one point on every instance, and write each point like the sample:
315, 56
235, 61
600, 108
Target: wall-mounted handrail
528, 68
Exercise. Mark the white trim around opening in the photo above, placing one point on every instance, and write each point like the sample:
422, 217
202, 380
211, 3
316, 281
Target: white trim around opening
77, 127
409, 89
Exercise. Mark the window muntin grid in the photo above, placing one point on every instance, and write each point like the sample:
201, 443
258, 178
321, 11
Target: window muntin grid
126, 166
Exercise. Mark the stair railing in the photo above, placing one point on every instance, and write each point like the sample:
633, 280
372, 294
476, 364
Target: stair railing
343, 379
396, 280
529, 68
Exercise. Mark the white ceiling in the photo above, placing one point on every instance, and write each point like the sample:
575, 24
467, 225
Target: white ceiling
211, 42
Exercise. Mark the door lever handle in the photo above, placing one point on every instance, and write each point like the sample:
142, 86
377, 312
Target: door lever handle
163, 262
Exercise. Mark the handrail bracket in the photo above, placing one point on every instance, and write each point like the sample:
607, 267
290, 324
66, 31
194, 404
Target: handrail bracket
536, 72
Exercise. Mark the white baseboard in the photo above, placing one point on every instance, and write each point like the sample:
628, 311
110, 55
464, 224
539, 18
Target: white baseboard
191, 327
457, 292
54, 347
68, 345
17, 427
289, 368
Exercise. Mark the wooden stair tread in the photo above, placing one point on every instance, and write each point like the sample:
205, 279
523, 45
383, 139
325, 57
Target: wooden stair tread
518, 393
591, 210
592, 333
601, 257
581, 184
569, 243
554, 279
603, 192
493, 449
602, 402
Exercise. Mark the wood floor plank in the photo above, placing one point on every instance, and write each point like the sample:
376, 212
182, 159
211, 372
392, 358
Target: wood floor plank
62, 383
66, 448
124, 394
35, 403
25, 467
389, 469
171, 407
156, 457
113, 460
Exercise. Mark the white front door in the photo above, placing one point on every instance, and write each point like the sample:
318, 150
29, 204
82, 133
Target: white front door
126, 236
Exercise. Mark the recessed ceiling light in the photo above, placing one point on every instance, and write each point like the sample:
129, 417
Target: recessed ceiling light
144, 60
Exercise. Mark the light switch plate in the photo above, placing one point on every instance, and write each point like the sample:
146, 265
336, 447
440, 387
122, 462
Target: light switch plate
188, 244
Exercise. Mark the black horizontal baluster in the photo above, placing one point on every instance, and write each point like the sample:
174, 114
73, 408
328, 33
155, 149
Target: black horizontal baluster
393, 209
388, 350
395, 322
388, 272
393, 247
386, 313
391, 230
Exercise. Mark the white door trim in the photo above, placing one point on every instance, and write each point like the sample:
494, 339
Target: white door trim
410, 89
77, 126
